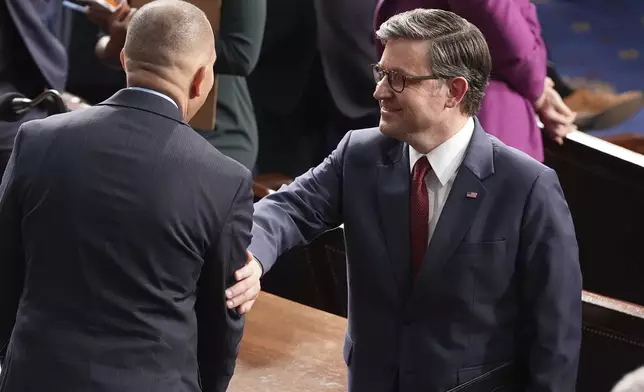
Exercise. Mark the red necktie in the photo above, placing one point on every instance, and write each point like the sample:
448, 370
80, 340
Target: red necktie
419, 213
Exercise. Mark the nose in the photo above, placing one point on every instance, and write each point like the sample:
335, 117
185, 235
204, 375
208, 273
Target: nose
382, 90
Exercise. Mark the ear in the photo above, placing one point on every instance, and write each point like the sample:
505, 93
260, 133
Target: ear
457, 89
122, 57
197, 88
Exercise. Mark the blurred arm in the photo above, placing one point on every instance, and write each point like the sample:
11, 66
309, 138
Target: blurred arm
241, 31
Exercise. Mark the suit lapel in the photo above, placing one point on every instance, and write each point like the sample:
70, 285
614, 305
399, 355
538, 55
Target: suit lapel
393, 207
456, 219
460, 209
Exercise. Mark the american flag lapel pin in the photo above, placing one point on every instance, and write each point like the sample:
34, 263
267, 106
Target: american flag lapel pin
471, 195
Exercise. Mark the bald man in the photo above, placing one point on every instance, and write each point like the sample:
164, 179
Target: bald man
121, 227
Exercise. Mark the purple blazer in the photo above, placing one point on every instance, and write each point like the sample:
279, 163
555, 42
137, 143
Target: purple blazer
513, 33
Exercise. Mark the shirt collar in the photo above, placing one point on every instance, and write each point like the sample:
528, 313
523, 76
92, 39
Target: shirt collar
147, 90
448, 156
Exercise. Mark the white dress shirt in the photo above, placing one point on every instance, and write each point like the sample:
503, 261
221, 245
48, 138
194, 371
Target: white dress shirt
445, 161
147, 90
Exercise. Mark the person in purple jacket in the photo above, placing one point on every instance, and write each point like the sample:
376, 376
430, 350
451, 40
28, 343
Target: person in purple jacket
519, 89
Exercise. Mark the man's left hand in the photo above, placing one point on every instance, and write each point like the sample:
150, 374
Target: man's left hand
244, 293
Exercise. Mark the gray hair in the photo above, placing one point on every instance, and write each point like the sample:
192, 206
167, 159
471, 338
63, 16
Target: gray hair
632, 382
457, 48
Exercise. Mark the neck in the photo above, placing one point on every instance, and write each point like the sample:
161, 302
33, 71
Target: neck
430, 138
157, 82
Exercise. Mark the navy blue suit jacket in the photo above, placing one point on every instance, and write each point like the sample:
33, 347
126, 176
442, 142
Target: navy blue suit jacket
120, 229
500, 282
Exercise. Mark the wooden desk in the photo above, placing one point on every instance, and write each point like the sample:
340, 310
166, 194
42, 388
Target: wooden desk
603, 186
290, 347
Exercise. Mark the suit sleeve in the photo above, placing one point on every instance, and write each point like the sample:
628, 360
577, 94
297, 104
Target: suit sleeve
301, 211
241, 31
221, 329
11, 254
514, 35
551, 286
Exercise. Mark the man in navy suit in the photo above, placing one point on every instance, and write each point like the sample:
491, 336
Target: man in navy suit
462, 257
121, 227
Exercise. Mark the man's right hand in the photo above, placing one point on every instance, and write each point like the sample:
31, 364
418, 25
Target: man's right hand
244, 293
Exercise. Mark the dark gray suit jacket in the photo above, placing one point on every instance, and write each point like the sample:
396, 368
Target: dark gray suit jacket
120, 229
500, 281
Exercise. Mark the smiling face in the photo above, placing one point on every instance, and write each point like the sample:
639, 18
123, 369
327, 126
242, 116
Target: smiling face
422, 103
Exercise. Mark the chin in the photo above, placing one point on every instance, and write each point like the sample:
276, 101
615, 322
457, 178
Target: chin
389, 128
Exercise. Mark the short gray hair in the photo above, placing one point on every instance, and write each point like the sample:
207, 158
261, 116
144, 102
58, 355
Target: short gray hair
457, 48
631, 382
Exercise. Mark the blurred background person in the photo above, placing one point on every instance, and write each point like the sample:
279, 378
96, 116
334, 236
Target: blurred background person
596, 109
238, 46
32, 58
313, 81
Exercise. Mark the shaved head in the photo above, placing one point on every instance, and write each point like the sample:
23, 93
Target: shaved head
170, 48
165, 33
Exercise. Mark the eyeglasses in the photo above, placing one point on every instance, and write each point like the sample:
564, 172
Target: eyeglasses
396, 80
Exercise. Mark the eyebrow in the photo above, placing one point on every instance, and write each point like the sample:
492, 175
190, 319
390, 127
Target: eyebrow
397, 69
